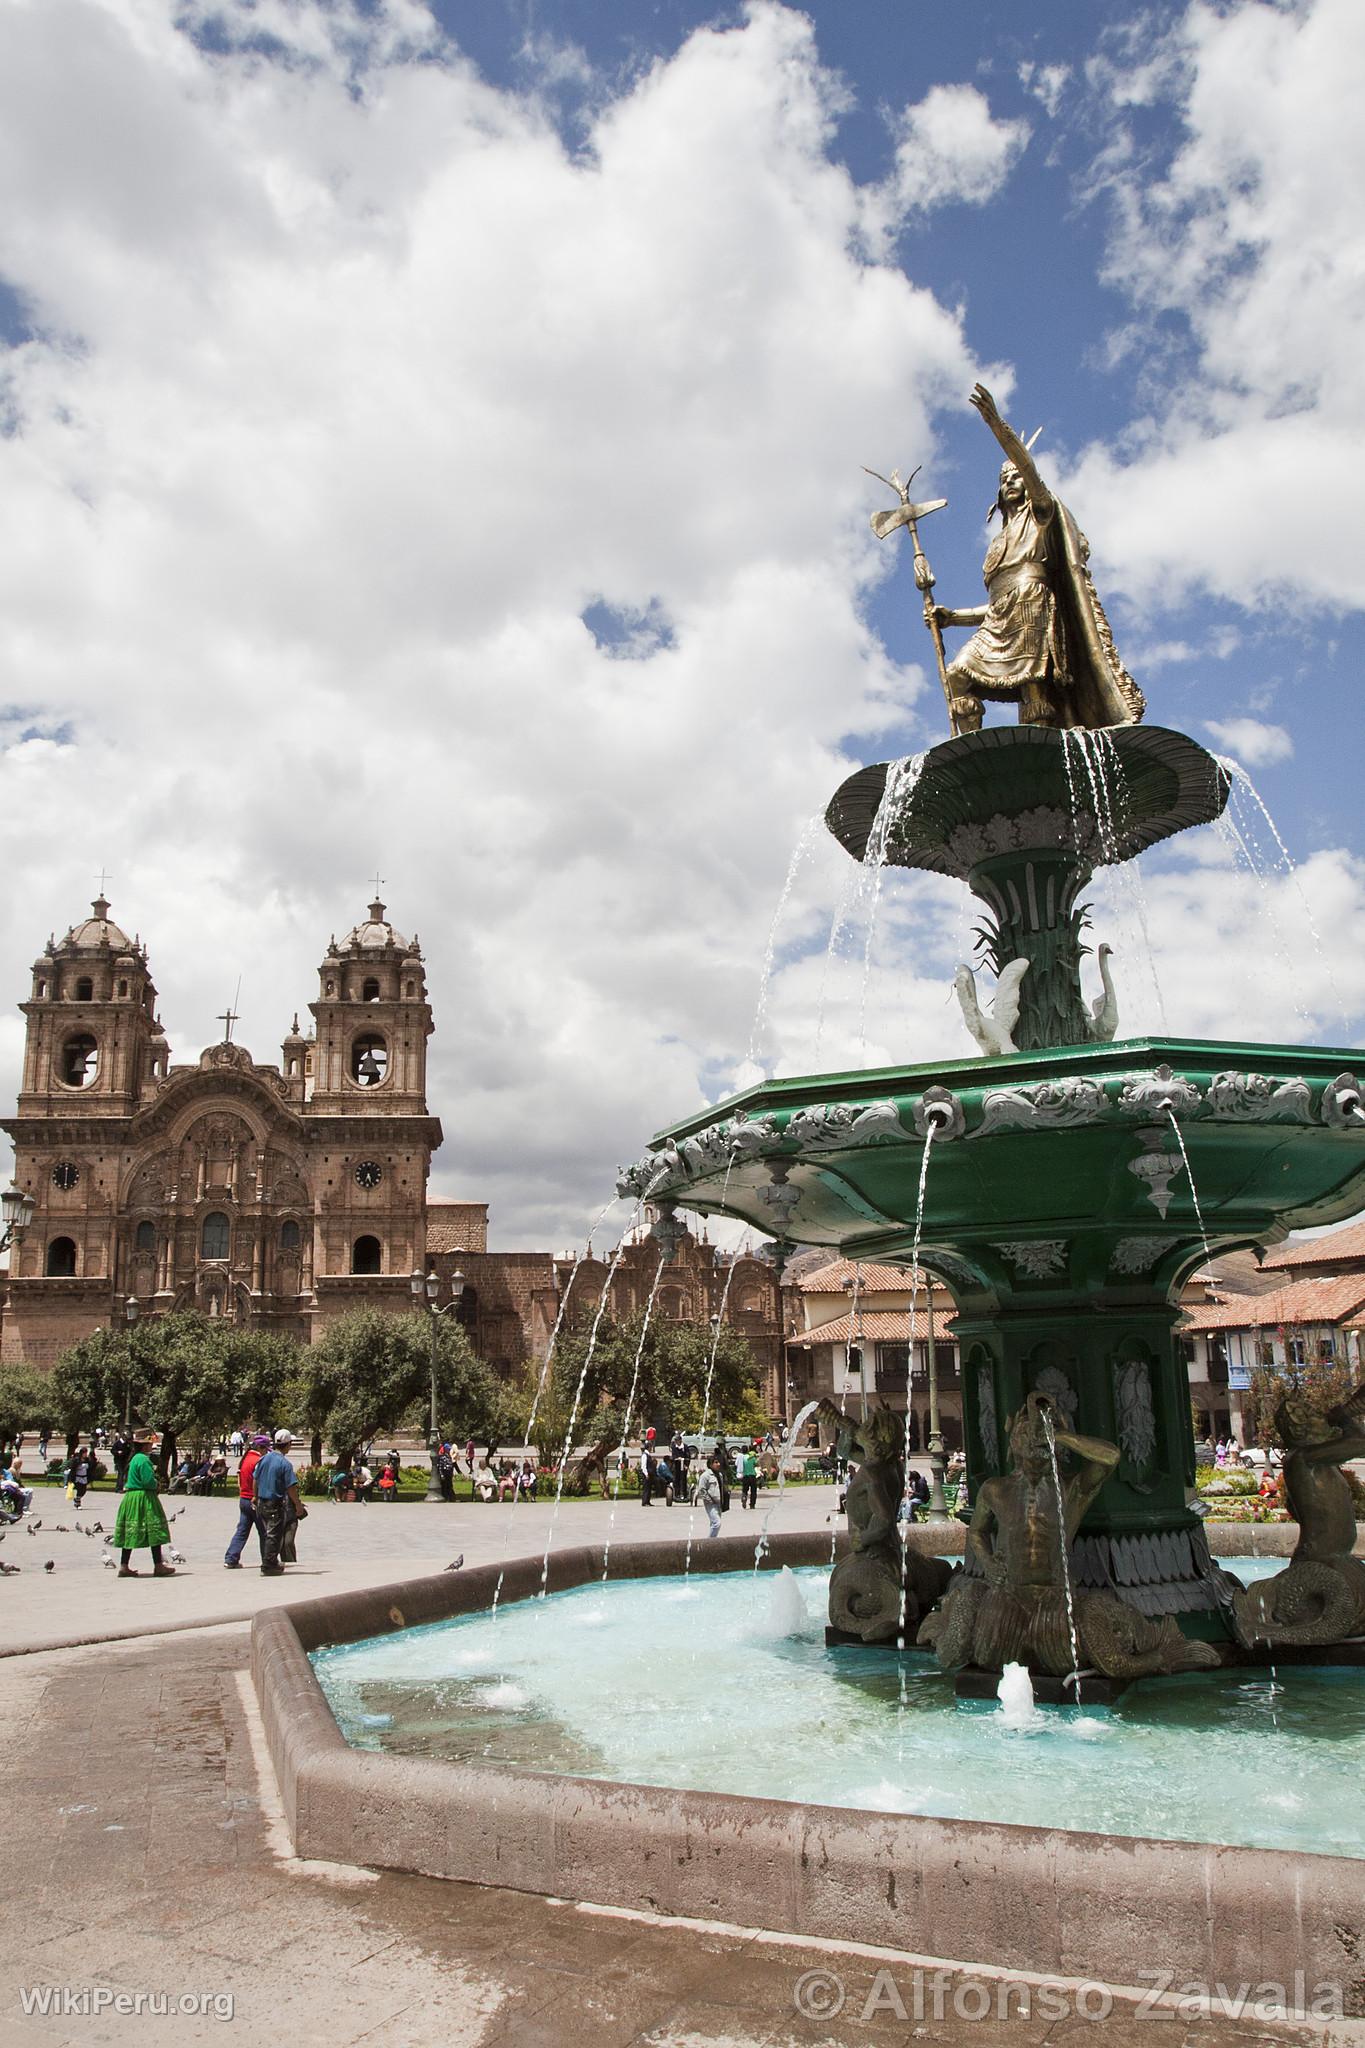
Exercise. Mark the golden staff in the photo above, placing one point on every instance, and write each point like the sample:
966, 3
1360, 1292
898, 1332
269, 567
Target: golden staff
908, 515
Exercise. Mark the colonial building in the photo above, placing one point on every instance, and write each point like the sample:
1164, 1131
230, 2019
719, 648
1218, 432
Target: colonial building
278, 1195
698, 1282
864, 1331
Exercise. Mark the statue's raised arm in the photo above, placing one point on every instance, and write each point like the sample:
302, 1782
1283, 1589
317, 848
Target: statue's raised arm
1016, 452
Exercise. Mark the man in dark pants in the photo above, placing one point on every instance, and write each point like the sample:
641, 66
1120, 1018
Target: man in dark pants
274, 1486
647, 1464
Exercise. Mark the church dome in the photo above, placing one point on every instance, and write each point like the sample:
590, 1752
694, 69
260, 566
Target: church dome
96, 933
375, 933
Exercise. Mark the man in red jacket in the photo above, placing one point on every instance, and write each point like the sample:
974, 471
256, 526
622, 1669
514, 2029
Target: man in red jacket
246, 1513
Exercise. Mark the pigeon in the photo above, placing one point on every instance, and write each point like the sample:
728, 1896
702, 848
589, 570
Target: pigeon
10, 1569
49, 1566
34, 1527
108, 1539
455, 1566
95, 1529
176, 1556
176, 1516
60, 1529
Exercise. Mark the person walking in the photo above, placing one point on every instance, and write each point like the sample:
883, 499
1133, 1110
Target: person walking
648, 1467
274, 1489
141, 1520
708, 1494
82, 1472
748, 1478
246, 1512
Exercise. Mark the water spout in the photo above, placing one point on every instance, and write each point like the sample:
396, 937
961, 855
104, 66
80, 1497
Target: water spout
1073, 1677
1015, 1694
802, 1418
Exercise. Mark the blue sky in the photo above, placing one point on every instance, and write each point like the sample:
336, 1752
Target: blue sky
432, 437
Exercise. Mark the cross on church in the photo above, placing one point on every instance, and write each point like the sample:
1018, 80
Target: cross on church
227, 1018
103, 879
376, 883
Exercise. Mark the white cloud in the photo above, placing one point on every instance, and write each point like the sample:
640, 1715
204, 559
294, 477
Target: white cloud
1046, 83
1251, 740
351, 388
949, 146
1243, 478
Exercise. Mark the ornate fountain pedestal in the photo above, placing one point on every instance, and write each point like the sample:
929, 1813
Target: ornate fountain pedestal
1071, 1186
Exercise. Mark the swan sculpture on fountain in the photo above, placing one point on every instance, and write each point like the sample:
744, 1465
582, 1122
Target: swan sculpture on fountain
992, 1029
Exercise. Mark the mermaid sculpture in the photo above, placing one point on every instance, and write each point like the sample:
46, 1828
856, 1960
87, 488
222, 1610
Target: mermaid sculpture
1320, 1595
866, 1588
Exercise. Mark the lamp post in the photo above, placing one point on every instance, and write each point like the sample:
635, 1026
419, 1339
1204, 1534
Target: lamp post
425, 1288
16, 1213
130, 1316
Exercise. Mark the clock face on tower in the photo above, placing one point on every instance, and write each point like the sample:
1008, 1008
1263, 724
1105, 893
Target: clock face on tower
369, 1173
65, 1175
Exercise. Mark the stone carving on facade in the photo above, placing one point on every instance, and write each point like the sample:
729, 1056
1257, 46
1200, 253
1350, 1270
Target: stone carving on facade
1320, 1595
1342, 1107
1132, 1255
1044, 1106
987, 1416
1040, 1258
940, 1110
1160, 1093
837, 1124
1136, 1416
1011, 1605
1156, 1166
1255, 1099
865, 1589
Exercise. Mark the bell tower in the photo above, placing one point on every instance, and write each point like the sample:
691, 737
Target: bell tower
93, 1046
373, 1021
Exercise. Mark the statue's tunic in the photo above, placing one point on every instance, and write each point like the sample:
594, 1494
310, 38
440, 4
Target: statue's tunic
1045, 630
1022, 638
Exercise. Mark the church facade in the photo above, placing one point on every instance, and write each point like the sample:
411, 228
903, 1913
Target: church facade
277, 1195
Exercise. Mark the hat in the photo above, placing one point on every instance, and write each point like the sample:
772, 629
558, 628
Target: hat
284, 1436
260, 1442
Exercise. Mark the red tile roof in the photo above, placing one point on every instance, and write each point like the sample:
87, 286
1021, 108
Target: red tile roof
877, 1326
1305, 1301
838, 1276
1346, 1243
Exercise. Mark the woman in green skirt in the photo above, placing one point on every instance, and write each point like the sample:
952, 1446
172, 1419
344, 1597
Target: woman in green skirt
141, 1521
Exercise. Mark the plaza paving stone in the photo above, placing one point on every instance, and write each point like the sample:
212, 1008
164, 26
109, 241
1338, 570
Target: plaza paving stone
146, 1851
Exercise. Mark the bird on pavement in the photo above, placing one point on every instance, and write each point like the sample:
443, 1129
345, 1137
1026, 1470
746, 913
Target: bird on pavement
34, 1527
49, 1566
455, 1566
176, 1556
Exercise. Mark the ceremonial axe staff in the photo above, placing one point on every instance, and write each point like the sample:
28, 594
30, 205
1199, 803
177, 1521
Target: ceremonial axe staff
908, 515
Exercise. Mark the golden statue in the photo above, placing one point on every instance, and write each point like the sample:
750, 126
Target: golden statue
1014, 1605
1042, 640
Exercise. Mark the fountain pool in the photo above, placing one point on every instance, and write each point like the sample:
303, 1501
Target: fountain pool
718, 1684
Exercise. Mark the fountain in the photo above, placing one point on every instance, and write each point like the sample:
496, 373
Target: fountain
962, 1774
1077, 1177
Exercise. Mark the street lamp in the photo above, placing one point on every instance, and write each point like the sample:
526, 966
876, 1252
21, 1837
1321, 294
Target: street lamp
16, 1213
130, 1316
425, 1288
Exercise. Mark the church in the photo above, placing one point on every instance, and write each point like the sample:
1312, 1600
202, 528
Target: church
280, 1196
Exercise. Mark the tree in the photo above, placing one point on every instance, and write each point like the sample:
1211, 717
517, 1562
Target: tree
27, 1401
370, 1374
675, 1363
185, 1374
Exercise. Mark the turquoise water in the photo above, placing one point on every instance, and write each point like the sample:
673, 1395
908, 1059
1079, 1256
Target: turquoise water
723, 1683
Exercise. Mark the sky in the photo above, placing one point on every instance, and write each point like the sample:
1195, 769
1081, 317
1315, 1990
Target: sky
432, 444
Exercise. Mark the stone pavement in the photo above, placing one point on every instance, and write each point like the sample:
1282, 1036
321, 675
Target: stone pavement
145, 1853
342, 1547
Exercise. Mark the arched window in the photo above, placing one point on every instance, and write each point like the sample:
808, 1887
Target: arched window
369, 1059
289, 1236
369, 990
85, 989
412, 990
367, 1255
61, 1259
123, 988
467, 1314
145, 1240
79, 1061
42, 990
215, 1236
